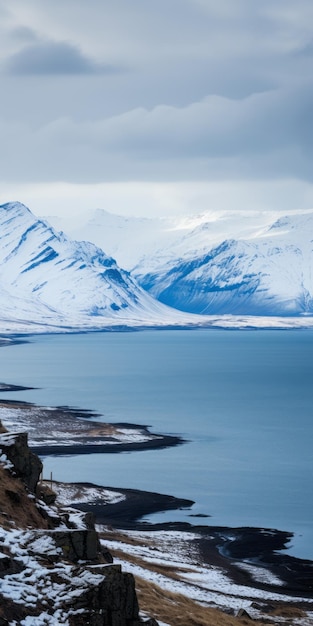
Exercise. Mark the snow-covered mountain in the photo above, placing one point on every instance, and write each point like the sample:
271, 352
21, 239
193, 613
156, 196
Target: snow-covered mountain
49, 281
270, 273
216, 263
129, 240
148, 243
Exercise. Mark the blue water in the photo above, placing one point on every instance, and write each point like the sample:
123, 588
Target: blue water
242, 399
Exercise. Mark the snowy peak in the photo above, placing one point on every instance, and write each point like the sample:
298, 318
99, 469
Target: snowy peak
48, 279
270, 273
212, 264
31, 245
215, 263
296, 226
146, 243
15, 210
127, 239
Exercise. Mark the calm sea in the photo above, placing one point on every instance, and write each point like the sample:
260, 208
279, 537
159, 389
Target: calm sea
242, 399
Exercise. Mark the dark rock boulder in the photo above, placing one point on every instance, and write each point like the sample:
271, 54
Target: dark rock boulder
78, 544
27, 465
111, 603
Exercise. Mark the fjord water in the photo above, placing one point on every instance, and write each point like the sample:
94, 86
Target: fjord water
243, 400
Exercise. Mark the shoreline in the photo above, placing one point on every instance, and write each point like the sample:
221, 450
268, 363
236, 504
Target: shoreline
162, 441
224, 322
223, 547
74, 431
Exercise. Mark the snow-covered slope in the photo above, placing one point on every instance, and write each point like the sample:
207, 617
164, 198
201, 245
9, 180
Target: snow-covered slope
147, 243
50, 281
270, 273
129, 240
237, 263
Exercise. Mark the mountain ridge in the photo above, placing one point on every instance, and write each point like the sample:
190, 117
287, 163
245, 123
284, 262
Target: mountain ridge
52, 283
215, 264
271, 274
47, 278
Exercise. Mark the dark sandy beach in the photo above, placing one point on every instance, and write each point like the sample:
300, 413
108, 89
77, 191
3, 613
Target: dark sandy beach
217, 546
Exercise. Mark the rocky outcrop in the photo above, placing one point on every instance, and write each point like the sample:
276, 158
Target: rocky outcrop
64, 574
27, 465
78, 545
112, 603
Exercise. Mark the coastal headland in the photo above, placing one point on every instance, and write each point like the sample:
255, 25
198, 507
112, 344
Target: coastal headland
64, 430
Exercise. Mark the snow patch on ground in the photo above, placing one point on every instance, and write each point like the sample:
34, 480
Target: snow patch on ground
260, 574
6, 464
209, 586
78, 494
56, 586
66, 428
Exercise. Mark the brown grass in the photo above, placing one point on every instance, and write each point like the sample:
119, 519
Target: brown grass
290, 612
178, 610
16, 508
173, 608
116, 535
165, 570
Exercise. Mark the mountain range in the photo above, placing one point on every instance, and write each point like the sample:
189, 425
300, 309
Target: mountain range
51, 282
185, 272
258, 264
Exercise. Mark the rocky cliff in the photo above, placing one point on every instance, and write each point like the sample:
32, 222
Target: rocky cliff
52, 567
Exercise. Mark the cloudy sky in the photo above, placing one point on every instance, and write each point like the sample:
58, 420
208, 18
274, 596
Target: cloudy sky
156, 106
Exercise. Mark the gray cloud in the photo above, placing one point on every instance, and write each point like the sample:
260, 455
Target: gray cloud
214, 127
305, 50
24, 34
267, 135
53, 58
217, 91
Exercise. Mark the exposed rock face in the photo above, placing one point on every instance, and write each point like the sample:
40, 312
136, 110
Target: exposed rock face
112, 603
99, 595
78, 544
63, 572
26, 464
